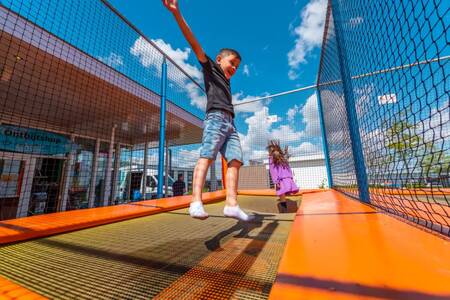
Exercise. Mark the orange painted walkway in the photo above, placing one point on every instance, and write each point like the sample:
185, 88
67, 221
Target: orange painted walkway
339, 248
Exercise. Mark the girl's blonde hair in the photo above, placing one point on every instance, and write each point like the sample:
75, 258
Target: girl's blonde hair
279, 156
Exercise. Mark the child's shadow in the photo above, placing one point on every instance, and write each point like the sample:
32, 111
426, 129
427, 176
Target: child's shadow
244, 227
287, 207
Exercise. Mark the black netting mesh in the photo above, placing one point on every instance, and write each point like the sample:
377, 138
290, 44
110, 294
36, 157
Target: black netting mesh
80, 98
81, 92
292, 119
396, 60
335, 115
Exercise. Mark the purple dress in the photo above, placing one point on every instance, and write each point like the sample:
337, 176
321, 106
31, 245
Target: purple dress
282, 175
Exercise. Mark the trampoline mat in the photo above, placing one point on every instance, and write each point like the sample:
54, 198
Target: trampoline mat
163, 256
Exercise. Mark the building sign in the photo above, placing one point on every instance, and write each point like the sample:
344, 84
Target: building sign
33, 141
387, 99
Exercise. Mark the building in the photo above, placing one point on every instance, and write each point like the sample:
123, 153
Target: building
69, 122
309, 173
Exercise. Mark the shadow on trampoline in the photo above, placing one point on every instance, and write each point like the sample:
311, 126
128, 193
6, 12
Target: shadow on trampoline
233, 277
145, 205
287, 207
109, 255
244, 228
15, 227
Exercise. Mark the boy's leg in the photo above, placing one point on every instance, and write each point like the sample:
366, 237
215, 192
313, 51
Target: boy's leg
200, 171
196, 209
232, 152
213, 138
232, 208
231, 180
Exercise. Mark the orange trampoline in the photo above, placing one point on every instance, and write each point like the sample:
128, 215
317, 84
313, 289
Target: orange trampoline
337, 247
147, 249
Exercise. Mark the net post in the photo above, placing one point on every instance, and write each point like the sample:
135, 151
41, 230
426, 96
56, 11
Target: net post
162, 129
324, 139
358, 156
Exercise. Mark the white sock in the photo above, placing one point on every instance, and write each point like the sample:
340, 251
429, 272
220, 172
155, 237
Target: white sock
235, 212
196, 210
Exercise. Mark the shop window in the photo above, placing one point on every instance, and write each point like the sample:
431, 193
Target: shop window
11, 174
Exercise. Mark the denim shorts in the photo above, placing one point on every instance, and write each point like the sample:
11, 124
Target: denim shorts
220, 135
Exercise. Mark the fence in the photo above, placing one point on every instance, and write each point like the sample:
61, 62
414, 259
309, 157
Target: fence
384, 89
81, 95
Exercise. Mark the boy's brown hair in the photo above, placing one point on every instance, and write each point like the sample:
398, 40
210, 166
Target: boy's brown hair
279, 156
228, 51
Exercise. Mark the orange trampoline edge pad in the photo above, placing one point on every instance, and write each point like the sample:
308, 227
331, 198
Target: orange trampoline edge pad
136, 210
10, 291
331, 263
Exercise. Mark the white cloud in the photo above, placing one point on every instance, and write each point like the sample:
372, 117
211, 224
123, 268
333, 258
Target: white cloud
354, 22
364, 95
150, 58
308, 34
286, 134
261, 129
292, 112
147, 54
310, 115
304, 148
246, 71
198, 98
258, 133
335, 116
187, 158
250, 107
113, 60
436, 127
180, 57
292, 74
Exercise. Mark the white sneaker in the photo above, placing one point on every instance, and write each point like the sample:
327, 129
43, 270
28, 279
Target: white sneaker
196, 210
236, 212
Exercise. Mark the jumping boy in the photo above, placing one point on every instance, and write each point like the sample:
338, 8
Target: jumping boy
219, 132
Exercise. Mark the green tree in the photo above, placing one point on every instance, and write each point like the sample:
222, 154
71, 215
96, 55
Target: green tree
412, 150
403, 142
436, 163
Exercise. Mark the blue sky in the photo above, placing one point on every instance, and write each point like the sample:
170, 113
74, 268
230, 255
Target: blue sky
262, 33
280, 47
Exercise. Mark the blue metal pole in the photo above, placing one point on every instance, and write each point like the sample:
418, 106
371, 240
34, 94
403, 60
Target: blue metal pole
358, 156
324, 140
162, 129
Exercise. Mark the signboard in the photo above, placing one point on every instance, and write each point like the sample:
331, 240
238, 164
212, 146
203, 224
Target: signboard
387, 99
33, 141
272, 119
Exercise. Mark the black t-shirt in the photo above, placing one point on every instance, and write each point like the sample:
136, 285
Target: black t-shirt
178, 188
218, 91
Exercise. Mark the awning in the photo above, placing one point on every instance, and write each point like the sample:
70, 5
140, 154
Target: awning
48, 84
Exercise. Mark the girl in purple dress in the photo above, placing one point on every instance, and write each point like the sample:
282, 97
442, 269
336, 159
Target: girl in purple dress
280, 171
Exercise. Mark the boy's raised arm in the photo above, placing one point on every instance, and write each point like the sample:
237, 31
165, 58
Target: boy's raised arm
172, 6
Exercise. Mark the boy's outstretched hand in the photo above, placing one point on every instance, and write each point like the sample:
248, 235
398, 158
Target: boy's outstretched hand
172, 5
